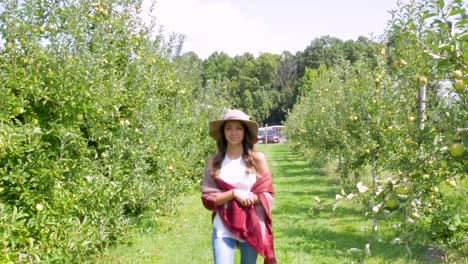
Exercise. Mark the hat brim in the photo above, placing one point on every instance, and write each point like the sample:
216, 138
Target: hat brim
216, 133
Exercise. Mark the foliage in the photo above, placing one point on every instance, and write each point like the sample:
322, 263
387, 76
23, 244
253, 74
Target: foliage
98, 126
241, 82
403, 121
329, 50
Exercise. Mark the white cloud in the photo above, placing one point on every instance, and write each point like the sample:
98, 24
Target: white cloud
212, 27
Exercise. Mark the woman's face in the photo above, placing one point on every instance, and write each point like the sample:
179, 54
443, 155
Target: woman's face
234, 132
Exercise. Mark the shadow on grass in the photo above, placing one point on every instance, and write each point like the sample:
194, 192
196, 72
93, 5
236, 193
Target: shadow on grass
315, 236
304, 226
317, 240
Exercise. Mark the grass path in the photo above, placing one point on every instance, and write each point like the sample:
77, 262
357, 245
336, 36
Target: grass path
304, 233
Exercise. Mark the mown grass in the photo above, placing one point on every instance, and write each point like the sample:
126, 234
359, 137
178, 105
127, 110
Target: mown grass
305, 232
183, 237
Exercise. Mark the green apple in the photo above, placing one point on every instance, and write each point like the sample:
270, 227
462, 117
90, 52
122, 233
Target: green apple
17, 111
456, 150
401, 190
408, 141
39, 207
459, 85
391, 203
458, 74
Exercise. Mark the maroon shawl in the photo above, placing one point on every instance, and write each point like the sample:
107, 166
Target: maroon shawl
251, 224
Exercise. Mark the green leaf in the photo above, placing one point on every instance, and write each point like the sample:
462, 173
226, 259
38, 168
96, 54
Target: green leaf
462, 37
440, 4
461, 24
456, 12
429, 15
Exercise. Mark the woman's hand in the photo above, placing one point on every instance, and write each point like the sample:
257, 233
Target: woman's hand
254, 198
244, 198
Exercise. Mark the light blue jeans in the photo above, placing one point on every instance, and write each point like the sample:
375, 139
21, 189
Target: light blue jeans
224, 249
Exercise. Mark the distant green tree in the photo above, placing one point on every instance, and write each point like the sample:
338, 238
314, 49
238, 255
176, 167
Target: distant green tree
329, 51
286, 76
325, 50
361, 49
242, 76
216, 67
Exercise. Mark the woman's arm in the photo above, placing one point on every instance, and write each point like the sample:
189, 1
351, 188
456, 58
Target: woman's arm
261, 165
244, 198
224, 197
209, 188
262, 169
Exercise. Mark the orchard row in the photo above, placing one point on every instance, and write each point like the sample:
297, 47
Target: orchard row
398, 130
99, 130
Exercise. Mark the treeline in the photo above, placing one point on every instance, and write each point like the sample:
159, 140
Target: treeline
267, 86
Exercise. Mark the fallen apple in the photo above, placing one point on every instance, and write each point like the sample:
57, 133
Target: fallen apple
451, 182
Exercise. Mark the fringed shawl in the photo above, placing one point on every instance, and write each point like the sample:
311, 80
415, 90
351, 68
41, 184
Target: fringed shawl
251, 224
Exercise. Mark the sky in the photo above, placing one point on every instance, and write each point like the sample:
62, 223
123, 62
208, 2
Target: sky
257, 26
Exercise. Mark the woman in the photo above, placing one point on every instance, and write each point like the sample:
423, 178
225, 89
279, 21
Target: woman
237, 187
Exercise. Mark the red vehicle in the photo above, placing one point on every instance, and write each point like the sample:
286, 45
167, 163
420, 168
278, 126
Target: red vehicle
271, 136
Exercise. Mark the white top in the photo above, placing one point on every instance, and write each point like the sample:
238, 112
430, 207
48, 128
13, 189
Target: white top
234, 173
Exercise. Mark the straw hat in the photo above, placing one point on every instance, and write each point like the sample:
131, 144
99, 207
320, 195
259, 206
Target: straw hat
215, 126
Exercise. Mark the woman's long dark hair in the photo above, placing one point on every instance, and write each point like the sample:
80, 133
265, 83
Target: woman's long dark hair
247, 152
